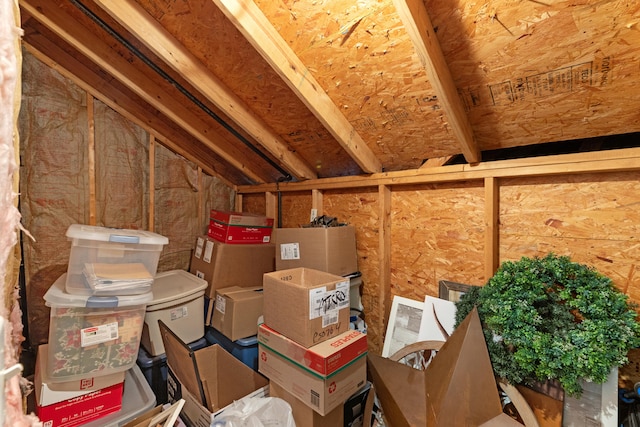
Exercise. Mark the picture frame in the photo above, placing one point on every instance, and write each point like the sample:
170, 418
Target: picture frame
452, 291
404, 324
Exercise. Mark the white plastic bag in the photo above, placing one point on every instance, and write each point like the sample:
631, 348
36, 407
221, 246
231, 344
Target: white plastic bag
256, 412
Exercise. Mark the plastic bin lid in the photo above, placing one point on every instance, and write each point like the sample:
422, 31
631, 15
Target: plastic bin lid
174, 285
138, 398
57, 297
117, 235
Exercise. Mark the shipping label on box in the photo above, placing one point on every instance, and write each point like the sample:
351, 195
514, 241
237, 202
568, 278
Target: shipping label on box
306, 305
324, 358
320, 393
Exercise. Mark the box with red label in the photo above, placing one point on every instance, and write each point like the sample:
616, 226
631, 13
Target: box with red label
320, 393
239, 227
75, 402
48, 393
324, 358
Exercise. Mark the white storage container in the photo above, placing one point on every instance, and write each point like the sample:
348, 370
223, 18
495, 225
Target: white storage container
91, 335
178, 300
112, 261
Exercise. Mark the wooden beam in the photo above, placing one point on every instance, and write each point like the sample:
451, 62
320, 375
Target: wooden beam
622, 160
491, 226
418, 25
436, 161
91, 149
257, 29
271, 206
137, 21
152, 183
384, 231
317, 202
91, 46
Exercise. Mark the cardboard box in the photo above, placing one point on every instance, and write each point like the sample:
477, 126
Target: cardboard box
208, 378
324, 358
237, 311
306, 305
304, 415
48, 393
239, 227
320, 393
330, 249
223, 265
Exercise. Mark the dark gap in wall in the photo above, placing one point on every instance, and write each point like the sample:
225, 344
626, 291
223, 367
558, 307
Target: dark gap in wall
600, 143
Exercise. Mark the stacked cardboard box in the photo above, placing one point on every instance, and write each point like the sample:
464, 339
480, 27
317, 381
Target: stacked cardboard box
305, 345
239, 227
224, 265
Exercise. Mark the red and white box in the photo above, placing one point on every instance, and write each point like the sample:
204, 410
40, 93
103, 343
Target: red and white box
324, 358
239, 227
73, 403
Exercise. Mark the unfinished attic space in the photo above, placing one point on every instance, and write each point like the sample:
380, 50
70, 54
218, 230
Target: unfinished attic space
318, 213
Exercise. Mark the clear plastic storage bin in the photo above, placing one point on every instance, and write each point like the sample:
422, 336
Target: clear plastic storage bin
112, 261
90, 335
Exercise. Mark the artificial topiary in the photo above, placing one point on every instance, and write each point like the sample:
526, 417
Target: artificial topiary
553, 319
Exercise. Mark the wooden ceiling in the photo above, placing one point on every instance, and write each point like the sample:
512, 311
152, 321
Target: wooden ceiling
261, 91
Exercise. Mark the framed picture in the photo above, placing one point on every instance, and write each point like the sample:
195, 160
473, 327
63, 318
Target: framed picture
404, 324
452, 291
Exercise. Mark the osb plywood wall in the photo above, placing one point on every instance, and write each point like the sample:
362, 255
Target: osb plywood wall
83, 163
438, 231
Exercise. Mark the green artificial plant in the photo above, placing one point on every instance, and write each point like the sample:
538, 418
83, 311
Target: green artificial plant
553, 319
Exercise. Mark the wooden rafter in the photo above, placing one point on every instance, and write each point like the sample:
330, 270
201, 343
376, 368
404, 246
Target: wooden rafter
418, 25
90, 45
257, 29
137, 21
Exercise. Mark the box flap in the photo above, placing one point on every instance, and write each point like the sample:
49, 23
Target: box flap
225, 378
181, 359
237, 293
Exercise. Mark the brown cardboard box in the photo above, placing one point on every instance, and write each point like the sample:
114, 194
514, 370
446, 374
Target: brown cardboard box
304, 415
321, 393
330, 249
306, 305
237, 311
223, 265
209, 378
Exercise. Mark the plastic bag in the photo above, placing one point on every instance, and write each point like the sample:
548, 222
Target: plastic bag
256, 412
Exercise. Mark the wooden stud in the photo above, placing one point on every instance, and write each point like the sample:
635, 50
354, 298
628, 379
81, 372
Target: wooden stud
384, 228
492, 227
92, 160
317, 201
152, 181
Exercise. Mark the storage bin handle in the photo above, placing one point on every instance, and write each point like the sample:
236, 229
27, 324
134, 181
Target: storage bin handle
119, 238
102, 302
